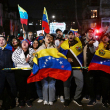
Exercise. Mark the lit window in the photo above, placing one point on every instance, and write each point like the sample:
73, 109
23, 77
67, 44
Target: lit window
93, 13
93, 25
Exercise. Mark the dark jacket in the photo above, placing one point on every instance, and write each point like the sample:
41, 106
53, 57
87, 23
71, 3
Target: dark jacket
89, 52
5, 58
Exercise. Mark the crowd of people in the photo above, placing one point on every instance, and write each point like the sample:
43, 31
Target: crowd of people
18, 53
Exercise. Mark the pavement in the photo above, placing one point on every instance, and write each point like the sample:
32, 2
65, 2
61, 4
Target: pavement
59, 106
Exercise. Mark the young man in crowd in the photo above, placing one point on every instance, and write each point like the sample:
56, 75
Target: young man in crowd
89, 46
77, 74
6, 75
59, 38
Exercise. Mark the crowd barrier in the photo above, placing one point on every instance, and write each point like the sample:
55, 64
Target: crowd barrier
31, 68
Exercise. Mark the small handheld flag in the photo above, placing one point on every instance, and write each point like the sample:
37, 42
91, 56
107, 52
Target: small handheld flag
23, 15
45, 22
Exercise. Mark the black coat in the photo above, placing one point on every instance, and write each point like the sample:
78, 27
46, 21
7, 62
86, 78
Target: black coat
6, 58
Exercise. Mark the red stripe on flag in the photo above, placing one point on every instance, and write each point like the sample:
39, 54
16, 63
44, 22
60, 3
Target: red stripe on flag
46, 27
24, 21
45, 72
96, 66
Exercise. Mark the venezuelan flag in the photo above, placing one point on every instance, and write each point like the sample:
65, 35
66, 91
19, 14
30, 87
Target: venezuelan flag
40, 38
76, 50
45, 22
50, 62
101, 60
23, 15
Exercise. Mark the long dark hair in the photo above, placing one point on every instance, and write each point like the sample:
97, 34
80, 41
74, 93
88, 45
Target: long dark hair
38, 44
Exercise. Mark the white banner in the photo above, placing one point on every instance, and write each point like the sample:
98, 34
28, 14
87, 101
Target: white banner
54, 26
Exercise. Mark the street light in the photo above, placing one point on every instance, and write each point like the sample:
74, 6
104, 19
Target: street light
53, 16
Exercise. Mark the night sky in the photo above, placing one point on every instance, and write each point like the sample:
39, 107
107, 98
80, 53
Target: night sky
35, 7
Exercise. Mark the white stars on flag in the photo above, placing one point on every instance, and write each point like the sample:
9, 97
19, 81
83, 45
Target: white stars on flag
46, 60
44, 66
51, 62
101, 62
57, 59
61, 62
49, 58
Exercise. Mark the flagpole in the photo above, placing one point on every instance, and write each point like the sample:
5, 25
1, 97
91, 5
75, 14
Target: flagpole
23, 31
42, 30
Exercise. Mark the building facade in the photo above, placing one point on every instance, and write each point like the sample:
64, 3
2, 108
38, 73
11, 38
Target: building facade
9, 18
96, 14
91, 16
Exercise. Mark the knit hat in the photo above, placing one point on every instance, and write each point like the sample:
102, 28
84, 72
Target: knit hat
2, 36
25, 40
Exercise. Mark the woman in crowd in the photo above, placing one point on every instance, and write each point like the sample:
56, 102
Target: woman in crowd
59, 84
15, 43
48, 83
38, 84
104, 76
22, 59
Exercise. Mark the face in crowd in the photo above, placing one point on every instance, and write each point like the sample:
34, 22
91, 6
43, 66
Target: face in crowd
35, 44
30, 36
90, 34
14, 42
2, 42
60, 34
105, 39
71, 36
51, 39
24, 45
47, 38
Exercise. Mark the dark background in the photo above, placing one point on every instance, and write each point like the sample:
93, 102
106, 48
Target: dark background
64, 10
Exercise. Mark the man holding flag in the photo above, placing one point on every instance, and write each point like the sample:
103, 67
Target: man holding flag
72, 49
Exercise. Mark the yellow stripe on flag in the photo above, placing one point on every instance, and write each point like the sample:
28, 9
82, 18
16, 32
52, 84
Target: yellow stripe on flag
21, 9
48, 52
45, 12
65, 46
101, 52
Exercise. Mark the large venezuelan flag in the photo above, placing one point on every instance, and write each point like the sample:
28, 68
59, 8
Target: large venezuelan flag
50, 62
23, 15
76, 50
101, 60
45, 22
